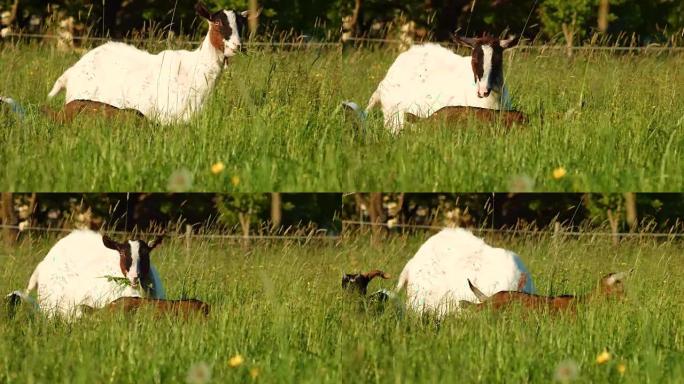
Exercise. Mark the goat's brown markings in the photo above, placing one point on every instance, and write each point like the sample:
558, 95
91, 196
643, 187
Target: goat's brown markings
215, 36
505, 299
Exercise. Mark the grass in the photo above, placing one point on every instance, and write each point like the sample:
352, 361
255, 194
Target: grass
613, 122
280, 307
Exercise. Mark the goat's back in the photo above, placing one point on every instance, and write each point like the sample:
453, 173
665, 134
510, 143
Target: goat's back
438, 274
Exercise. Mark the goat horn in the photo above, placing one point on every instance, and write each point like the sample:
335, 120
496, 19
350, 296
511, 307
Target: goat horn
480, 296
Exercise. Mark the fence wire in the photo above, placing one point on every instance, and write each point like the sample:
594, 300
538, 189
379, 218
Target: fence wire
519, 231
179, 234
361, 40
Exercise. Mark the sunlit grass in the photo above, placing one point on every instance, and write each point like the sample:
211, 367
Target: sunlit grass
278, 312
612, 122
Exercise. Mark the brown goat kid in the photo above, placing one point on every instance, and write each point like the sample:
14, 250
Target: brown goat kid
461, 113
181, 308
609, 286
358, 282
87, 107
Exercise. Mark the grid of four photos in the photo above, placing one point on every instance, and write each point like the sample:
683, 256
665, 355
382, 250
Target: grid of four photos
349, 191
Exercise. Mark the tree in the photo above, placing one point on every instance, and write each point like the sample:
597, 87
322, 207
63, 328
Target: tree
8, 218
567, 16
603, 15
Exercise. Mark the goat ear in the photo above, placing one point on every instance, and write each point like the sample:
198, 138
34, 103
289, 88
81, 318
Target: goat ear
248, 14
615, 277
202, 10
511, 42
157, 240
522, 281
109, 243
467, 41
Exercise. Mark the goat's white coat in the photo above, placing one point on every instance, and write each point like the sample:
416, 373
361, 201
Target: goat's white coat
436, 278
73, 273
166, 87
427, 78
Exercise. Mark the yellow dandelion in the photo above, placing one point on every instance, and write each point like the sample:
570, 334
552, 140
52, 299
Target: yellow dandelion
254, 373
236, 361
559, 173
603, 357
217, 168
622, 368
235, 180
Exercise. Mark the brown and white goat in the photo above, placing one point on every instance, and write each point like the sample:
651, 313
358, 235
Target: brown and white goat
609, 286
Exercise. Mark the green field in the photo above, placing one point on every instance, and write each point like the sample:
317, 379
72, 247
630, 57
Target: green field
614, 122
280, 307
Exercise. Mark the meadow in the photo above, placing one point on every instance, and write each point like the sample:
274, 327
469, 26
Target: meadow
602, 121
279, 306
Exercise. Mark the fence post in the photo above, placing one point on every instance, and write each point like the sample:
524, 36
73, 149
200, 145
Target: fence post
188, 236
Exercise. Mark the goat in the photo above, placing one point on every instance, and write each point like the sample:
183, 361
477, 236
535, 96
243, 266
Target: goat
429, 77
609, 286
182, 308
435, 278
87, 107
358, 282
460, 113
167, 87
83, 268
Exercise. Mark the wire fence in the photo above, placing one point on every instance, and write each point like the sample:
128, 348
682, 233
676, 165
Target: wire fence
358, 40
516, 231
321, 235
313, 235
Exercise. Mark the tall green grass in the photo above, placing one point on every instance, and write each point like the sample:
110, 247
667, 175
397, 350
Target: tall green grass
614, 122
280, 306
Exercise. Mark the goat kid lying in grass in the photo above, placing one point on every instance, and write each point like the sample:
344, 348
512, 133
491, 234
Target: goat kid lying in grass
358, 283
185, 308
610, 286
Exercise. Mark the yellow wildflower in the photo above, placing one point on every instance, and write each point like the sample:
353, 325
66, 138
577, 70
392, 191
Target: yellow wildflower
236, 361
217, 168
622, 368
254, 372
235, 180
559, 173
603, 357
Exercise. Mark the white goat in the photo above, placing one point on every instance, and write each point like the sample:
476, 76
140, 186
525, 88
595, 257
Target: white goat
167, 87
428, 77
436, 278
79, 268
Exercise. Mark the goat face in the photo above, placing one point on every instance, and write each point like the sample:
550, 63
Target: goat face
225, 29
134, 259
611, 285
359, 281
487, 61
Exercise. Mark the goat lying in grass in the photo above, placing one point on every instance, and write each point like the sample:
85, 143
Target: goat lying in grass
85, 107
358, 282
182, 308
609, 286
426, 78
454, 114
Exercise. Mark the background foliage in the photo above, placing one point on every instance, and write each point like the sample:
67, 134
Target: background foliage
648, 20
